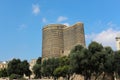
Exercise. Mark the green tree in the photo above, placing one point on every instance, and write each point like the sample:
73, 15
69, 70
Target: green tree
37, 68
48, 67
88, 62
108, 62
3, 73
108, 66
25, 67
14, 67
64, 61
117, 63
64, 69
58, 72
97, 61
18, 68
39, 60
95, 47
79, 61
96, 58
108, 50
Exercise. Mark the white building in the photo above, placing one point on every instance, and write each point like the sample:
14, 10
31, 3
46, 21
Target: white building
32, 63
3, 65
118, 43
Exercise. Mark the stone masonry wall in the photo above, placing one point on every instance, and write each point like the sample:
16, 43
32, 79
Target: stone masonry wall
59, 39
73, 36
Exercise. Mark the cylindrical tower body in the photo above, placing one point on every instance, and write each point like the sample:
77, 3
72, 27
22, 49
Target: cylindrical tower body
52, 45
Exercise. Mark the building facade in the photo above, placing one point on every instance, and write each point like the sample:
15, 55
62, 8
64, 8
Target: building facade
118, 43
3, 65
32, 63
58, 39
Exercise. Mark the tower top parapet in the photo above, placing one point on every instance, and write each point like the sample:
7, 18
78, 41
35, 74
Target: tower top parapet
54, 26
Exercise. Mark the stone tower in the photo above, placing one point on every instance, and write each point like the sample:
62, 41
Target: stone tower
118, 43
58, 39
73, 36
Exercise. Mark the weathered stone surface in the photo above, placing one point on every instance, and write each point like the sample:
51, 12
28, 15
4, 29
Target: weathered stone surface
59, 39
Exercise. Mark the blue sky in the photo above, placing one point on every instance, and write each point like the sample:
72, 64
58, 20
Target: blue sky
21, 23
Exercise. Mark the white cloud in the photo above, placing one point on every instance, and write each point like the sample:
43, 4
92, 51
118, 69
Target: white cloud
67, 24
106, 37
35, 9
61, 18
44, 20
22, 27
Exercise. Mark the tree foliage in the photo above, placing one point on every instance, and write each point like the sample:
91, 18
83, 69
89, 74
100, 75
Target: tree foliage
25, 67
3, 73
39, 60
79, 61
95, 60
48, 66
64, 69
95, 47
117, 62
37, 68
14, 67
92, 61
18, 67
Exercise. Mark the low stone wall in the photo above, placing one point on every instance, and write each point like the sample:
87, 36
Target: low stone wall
4, 78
